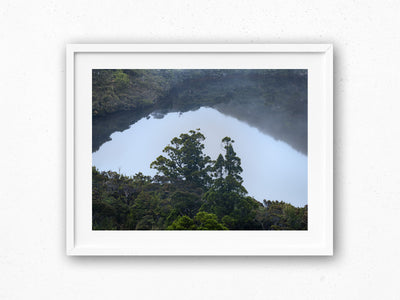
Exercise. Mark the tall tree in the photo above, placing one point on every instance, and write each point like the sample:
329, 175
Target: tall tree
232, 161
227, 170
186, 160
227, 191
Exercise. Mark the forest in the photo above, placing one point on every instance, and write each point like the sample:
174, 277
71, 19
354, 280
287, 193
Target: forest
191, 191
116, 90
274, 101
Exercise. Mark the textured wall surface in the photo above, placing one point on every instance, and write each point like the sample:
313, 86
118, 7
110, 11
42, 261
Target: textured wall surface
33, 34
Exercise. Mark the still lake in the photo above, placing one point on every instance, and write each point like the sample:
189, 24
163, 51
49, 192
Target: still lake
272, 169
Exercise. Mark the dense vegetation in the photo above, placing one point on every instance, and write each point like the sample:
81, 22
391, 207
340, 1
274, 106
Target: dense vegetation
274, 101
190, 192
115, 90
124, 90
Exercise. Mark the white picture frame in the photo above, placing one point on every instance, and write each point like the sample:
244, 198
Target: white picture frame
82, 240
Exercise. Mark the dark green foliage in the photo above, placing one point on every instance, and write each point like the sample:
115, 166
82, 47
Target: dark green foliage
202, 221
126, 90
278, 215
191, 192
182, 223
186, 161
207, 221
121, 80
226, 195
274, 101
120, 90
185, 203
232, 162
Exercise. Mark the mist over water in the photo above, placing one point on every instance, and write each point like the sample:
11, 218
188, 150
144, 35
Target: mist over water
272, 169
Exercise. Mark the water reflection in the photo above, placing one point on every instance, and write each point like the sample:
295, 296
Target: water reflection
271, 169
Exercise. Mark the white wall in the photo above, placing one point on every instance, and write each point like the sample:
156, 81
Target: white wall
366, 38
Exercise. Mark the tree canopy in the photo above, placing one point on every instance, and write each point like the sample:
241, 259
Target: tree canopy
186, 160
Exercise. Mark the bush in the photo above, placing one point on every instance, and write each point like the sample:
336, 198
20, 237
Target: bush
121, 80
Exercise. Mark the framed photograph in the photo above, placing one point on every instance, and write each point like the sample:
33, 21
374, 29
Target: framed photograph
199, 149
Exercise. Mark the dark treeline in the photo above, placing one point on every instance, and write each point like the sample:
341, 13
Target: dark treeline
116, 90
274, 101
190, 192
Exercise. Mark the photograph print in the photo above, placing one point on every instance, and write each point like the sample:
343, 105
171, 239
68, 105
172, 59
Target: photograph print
199, 149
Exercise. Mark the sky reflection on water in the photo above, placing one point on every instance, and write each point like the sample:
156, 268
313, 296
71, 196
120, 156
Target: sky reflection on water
271, 169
